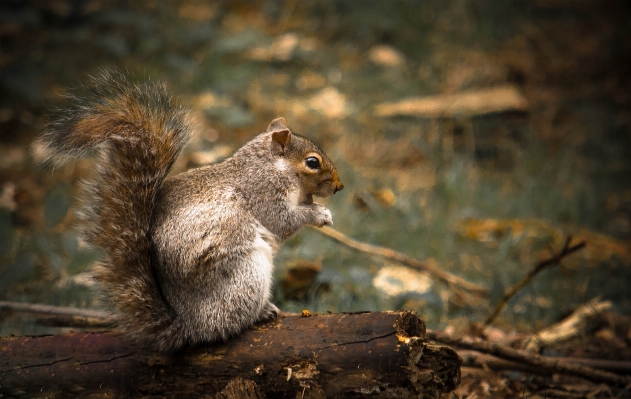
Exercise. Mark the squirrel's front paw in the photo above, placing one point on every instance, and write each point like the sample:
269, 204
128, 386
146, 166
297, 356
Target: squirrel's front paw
269, 313
322, 215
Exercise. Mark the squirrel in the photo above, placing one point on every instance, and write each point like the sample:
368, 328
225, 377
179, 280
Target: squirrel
188, 258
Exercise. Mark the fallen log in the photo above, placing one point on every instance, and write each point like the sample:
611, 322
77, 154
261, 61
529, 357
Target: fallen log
335, 355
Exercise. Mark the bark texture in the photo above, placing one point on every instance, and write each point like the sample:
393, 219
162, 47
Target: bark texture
382, 355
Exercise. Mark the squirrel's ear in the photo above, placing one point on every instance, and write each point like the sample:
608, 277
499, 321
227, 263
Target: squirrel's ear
280, 135
277, 125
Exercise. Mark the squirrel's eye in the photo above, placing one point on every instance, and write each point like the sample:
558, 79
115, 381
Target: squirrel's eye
312, 163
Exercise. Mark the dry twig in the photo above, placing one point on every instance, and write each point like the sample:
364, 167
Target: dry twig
476, 359
441, 275
476, 102
570, 327
61, 315
552, 365
510, 293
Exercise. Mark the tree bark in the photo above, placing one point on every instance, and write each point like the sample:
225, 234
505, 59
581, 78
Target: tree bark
382, 355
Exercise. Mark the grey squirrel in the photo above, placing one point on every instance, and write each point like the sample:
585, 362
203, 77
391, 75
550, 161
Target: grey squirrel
188, 258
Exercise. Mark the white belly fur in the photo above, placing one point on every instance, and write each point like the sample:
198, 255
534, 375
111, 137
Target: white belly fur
264, 248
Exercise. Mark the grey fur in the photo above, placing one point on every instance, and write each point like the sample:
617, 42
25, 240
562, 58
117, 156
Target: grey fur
189, 258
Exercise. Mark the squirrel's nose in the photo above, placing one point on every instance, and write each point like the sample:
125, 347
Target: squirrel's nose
337, 183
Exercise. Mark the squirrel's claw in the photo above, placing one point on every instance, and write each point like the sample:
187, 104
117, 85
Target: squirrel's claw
269, 313
322, 215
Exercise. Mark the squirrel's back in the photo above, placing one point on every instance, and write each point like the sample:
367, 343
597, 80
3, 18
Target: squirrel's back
139, 131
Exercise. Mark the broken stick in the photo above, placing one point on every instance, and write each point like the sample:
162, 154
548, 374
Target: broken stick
441, 275
511, 292
62, 316
476, 359
470, 103
572, 326
552, 365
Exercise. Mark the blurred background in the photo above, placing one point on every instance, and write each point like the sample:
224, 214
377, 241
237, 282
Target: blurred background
515, 136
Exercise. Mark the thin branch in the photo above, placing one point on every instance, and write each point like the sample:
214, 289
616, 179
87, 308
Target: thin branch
511, 292
61, 315
51, 310
553, 365
472, 358
441, 275
572, 326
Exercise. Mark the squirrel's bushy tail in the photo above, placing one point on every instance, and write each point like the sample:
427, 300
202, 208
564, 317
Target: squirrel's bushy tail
139, 131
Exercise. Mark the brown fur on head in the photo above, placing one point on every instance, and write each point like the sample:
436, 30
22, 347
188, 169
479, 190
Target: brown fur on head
315, 170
